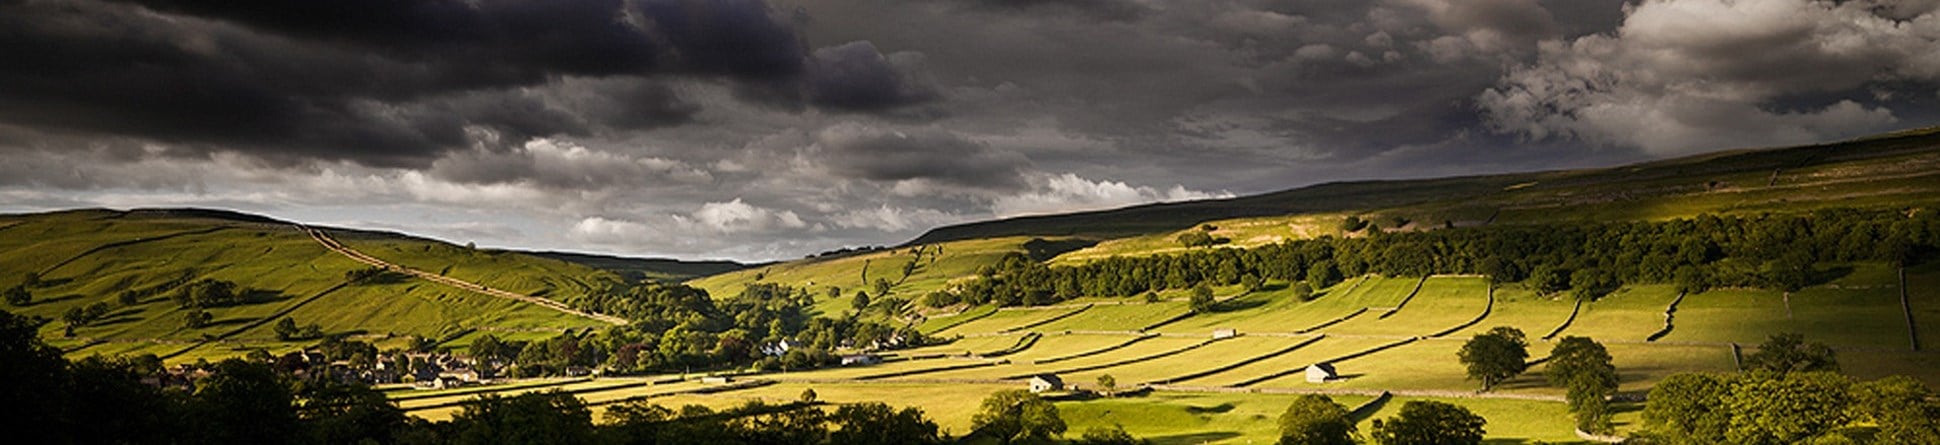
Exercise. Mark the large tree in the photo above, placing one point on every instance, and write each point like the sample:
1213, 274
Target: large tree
876, 423
1495, 356
1783, 353
1582, 366
1018, 416
1430, 423
1315, 419
1202, 299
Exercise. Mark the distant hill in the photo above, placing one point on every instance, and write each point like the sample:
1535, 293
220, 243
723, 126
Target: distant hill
130, 263
636, 269
1878, 170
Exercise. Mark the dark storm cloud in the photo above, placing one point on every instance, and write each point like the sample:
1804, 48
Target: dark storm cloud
398, 83
1113, 10
855, 76
930, 155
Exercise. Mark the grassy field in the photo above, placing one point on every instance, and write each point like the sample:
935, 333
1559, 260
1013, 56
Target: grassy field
1631, 313
1324, 350
1444, 302
1007, 319
90, 257
1142, 349
1118, 317
1277, 311
936, 266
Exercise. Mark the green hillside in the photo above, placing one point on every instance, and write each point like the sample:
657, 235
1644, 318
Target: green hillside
1880, 171
91, 257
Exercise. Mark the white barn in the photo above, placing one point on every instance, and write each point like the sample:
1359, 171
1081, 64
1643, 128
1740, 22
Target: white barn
1046, 382
1321, 373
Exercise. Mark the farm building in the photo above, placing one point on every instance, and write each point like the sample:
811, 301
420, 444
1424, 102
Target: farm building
1321, 373
1046, 382
1225, 333
717, 380
861, 359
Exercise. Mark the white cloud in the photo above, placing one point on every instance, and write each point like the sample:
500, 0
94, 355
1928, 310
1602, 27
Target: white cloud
1071, 193
1681, 75
737, 216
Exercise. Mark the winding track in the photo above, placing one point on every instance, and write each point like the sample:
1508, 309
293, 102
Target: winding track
332, 244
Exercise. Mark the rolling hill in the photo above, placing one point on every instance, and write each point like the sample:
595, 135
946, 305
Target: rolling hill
81, 258
1882, 170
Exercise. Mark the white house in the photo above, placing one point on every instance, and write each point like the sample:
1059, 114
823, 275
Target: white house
717, 380
1046, 382
1224, 333
1321, 373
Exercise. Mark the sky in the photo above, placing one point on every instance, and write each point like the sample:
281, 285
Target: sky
762, 130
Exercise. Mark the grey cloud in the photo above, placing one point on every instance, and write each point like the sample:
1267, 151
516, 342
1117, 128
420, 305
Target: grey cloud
855, 76
859, 151
1682, 75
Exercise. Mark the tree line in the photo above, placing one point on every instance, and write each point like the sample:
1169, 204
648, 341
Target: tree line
1779, 251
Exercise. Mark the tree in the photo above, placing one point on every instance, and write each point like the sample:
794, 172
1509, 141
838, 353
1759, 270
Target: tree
1783, 353
30, 381
1250, 282
243, 402
1195, 239
285, 329
531, 418
1582, 366
1429, 423
1303, 291
875, 423
1323, 274
808, 395
1495, 356
196, 319
1202, 299
19, 296
1352, 224
1689, 408
860, 302
1017, 415
1113, 435
1904, 409
1787, 408
128, 298
1315, 419
1108, 383
882, 287
1549, 280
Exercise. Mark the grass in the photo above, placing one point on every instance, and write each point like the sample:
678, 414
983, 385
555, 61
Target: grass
1509, 421
89, 257
1522, 309
1142, 349
1007, 319
1278, 311
1923, 294
1118, 317
966, 345
934, 325
956, 260
1188, 418
1444, 302
1206, 357
1631, 314
1323, 350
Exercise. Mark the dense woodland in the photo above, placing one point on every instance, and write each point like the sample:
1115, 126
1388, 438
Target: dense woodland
1780, 251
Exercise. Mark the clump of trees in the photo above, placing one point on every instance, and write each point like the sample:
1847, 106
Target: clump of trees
1016, 415
17, 296
287, 330
1315, 419
203, 294
1422, 422
1582, 367
102, 400
1495, 356
1789, 352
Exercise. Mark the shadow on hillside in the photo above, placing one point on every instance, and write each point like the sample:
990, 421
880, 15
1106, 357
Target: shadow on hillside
119, 316
386, 277
1215, 409
232, 321
1238, 304
1194, 438
53, 300
1828, 275
259, 296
